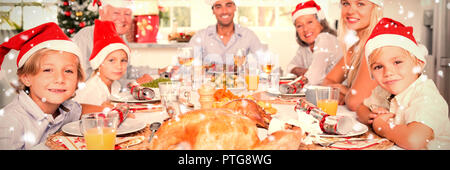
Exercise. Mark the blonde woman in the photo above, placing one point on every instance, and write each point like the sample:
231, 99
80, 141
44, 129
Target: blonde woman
351, 74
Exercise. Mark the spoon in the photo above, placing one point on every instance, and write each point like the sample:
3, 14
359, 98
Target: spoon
153, 127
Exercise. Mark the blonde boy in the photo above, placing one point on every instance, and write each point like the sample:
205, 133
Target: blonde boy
109, 59
49, 70
406, 107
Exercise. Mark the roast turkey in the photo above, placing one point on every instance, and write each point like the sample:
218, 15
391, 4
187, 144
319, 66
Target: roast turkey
250, 109
217, 129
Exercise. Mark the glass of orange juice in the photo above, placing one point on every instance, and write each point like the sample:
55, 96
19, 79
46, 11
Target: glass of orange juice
251, 74
327, 100
99, 130
252, 82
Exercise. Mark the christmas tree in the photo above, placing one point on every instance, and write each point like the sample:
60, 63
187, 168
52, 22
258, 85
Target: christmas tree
74, 15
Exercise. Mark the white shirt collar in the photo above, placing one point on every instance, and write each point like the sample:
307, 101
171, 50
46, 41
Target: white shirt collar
36, 112
404, 97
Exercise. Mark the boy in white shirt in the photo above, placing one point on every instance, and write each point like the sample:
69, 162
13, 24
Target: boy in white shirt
406, 107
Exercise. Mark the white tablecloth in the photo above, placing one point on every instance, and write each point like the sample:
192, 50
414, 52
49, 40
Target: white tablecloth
285, 112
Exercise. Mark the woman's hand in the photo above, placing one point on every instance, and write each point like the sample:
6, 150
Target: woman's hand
299, 71
144, 79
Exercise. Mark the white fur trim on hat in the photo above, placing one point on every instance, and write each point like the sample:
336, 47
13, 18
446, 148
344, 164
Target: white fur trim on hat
118, 3
307, 11
212, 2
101, 55
377, 2
383, 40
60, 45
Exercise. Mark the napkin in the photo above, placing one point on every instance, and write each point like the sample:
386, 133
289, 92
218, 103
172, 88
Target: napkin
275, 100
138, 107
305, 121
348, 144
77, 143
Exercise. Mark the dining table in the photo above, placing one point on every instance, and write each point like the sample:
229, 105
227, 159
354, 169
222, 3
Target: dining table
148, 113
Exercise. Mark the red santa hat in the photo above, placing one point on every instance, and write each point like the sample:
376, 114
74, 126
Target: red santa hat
47, 35
95, 4
307, 8
106, 40
114, 3
389, 32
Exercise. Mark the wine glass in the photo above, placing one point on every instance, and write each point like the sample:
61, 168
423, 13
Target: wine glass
239, 67
239, 58
185, 59
185, 56
211, 64
267, 63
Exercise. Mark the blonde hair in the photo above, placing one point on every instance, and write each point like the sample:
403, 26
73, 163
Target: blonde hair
32, 66
375, 55
356, 51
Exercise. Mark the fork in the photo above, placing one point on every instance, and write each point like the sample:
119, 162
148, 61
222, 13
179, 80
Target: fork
328, 144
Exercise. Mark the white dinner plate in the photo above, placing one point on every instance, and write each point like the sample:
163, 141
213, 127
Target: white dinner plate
126, 97
358, 129
128, 126
278, 93
287, 78
290, 76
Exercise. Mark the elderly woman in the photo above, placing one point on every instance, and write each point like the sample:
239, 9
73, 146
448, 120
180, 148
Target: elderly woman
319, 49
351, 73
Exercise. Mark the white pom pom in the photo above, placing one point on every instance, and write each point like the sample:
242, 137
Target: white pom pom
423, 53
93, 8
350, 38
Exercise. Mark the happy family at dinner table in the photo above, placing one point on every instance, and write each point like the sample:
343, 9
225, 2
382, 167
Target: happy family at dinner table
380, 74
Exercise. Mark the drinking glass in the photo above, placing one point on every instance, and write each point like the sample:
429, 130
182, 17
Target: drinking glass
185, 56
252, 80
239, 59
268, 62
170, 92
327, 100
212, 65
99, 130
251, 74
239, 62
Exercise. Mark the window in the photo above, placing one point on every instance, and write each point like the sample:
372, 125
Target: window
25, 14
265, 13
250, 13
174, 11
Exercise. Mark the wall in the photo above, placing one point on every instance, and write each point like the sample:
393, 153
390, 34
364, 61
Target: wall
279, 40
282, 40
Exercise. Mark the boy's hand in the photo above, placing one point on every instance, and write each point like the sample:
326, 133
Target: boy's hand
376, 112
108, 104
382, 121
385, 117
